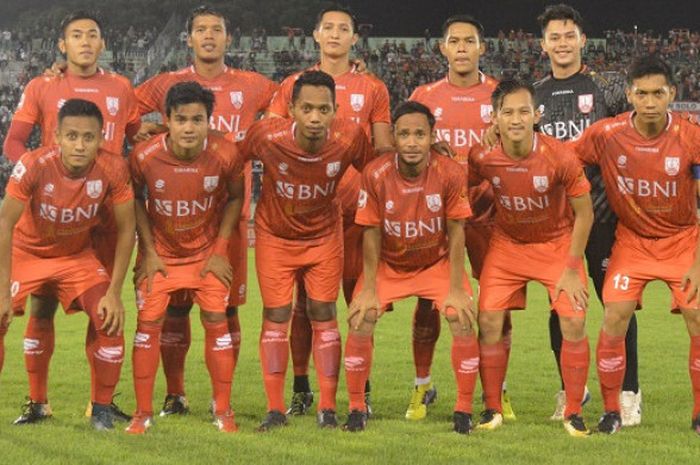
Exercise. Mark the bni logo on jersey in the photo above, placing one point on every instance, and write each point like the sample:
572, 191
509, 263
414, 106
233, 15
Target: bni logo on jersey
541, 183
357, 101
211, 183
672, 165
112, 105
434, 202
94, 188
236, 99
585, 103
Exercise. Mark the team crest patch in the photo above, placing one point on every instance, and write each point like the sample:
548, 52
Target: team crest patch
672, 165
486, 113
434, 202
211, 183
94, 188
236, 99
357, 101
332, 168
622, 161
541, 183
585, 103
112, 105
362, 199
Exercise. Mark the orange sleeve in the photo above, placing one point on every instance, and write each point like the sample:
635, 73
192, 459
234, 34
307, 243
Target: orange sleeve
417, 95
572, 175
368, 213
28, 110
380, 109
586, 147
362, 149
248, 147
693, 142
280, 100
22, 181
271, 88
457, 195
121, 182
136, 173
474, 177
150, 95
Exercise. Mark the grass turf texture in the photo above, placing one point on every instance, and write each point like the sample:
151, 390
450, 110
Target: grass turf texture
664, 436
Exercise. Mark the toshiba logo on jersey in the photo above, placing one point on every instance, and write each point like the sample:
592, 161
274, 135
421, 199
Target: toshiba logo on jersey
524, 203
67, 215
181, 208
413, 229
292, 191
458, 137
646, 187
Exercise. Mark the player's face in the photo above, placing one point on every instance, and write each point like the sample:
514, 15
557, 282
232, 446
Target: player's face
651, 96
82, 42
188, 125
462, 48
413, 138
79, 138
209, 38
334, 34
563, 41
313, 111
516, 117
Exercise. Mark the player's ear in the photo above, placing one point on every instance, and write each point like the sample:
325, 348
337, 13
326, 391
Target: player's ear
583, 40
537, 115
189, 40
62, 45
355, 38
315, 35
482, 46
229, 39
56, 134
433, 136
442, 47
628, 93
290, 109
673, 91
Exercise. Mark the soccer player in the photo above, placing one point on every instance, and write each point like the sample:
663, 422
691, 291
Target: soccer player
365, 100
195, 192
461, 103
240, 97
570, 99
412, 206
298, 232
648, 159
52, 206
81, 42
543, 218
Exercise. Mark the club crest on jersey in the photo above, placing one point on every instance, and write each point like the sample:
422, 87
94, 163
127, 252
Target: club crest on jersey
672, 165
438, 113
486, 113
357, 101
112, 105
541, 183
283, 167
94, 188
211, 183
585, 103
332, 168
434, 202
362, 199
496, 181
389, 206
236, 99
622, 161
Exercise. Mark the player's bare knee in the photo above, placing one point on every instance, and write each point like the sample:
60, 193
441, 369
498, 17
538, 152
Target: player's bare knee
490, 326
573, 329
692, 320
278, 315
321, 311
617, 317
212, 317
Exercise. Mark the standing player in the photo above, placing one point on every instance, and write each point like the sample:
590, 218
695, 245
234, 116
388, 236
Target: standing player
298, 232
648, 159
461, 103
570, 99
365, 100
82, 43
190, 177
537, 182
53, 203
240, 97
412, 204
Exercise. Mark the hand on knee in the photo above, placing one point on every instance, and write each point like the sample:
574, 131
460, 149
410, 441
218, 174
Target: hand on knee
455, 324
365, 326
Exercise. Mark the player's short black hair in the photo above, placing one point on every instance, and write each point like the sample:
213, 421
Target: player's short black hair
561, 12
339, 9
408, 107
507, 87
80, 107
313, 78
649, 65
206, 10
78, 15
188, 92
468, 19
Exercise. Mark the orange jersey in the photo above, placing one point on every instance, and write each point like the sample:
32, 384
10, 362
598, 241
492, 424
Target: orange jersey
412, 213
649, 182
361, 98
462, 115
112, 93
61, 209
299, 188
532, 193
185, 198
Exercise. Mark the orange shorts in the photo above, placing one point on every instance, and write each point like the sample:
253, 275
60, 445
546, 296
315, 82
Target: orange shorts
509, 266
278, 261
208, 292
431, 283
352, 251
66, 278
476, 238
636, 260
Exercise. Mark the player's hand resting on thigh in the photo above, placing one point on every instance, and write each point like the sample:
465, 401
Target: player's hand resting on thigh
365, 301
575, 290
111, 310
152, 264
463, 304
691, 284
220, 267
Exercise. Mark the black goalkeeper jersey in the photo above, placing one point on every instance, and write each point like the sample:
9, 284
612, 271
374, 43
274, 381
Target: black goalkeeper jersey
569, 106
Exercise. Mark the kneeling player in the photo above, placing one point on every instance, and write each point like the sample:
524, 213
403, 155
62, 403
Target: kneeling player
647, 158
54, 198
537, 183
195, 193
412, 204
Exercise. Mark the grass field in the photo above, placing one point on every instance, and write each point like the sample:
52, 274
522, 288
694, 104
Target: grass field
664, 437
